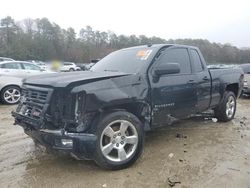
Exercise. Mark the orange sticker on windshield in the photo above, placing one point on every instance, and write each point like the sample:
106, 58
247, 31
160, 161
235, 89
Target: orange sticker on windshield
143, 54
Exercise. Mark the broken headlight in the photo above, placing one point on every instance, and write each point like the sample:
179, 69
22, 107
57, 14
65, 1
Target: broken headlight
82, 118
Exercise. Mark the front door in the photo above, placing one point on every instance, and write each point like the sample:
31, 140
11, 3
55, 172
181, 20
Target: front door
173, 95
31, 69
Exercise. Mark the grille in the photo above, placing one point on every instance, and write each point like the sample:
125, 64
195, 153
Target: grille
35, 96
34, 102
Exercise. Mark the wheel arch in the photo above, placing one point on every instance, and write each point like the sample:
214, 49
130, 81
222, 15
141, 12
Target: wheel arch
9, 86
233, 88
140, 109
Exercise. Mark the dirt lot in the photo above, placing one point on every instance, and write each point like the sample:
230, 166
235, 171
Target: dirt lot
193, 153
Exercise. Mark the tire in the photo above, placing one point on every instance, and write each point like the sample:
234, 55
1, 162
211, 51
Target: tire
10, 95
226, 110
112, 148
242, 94
71, 70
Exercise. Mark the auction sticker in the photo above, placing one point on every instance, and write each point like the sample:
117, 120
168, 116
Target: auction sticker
143, 54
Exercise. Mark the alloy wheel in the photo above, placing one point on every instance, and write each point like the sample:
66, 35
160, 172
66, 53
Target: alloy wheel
12, 95
230, 106
119, 141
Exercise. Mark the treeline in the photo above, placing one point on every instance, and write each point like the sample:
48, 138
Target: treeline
39, 39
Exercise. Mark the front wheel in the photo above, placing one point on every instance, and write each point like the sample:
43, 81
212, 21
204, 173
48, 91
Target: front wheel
120, 140
227, 108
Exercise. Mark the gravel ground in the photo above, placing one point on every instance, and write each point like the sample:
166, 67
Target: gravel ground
191, 153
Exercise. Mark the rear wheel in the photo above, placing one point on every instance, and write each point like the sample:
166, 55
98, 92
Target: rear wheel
242, 94
120, 140
226, 110
71, 70
10, 95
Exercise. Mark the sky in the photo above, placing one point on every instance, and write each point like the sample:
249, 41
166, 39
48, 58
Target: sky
223, 21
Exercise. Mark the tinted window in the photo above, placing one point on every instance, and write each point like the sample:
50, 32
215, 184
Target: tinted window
11, 66
197, 61
179, 55
28, 66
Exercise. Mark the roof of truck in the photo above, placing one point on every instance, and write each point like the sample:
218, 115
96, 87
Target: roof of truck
159, 46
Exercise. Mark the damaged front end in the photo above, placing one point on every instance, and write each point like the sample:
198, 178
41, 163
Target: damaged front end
67, 111
57, 119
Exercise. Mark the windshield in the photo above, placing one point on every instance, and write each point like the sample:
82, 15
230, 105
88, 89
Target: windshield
128, 60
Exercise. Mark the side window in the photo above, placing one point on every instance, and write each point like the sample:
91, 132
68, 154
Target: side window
197, 61
11, 66
178, 55
28, 66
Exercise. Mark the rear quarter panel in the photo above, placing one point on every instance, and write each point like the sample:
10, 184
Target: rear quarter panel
221, 78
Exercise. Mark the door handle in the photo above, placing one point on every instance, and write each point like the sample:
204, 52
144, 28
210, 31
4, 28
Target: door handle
191, 82
205, 78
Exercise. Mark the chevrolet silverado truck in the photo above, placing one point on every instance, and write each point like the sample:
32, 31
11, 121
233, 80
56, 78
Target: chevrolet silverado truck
102, 114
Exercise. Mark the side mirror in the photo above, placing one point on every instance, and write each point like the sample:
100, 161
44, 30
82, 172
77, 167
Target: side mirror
169, 68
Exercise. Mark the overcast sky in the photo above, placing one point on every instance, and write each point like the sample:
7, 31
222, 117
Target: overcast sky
224, 21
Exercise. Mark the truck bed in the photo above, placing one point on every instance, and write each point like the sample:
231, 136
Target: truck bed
220, 78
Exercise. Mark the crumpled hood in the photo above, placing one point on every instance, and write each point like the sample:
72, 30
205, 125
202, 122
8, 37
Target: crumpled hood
65, 79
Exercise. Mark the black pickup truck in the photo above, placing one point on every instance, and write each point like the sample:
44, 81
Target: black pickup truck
102, 114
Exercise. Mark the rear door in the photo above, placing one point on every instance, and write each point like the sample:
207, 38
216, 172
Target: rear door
203, 79
12, 69
173, 95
